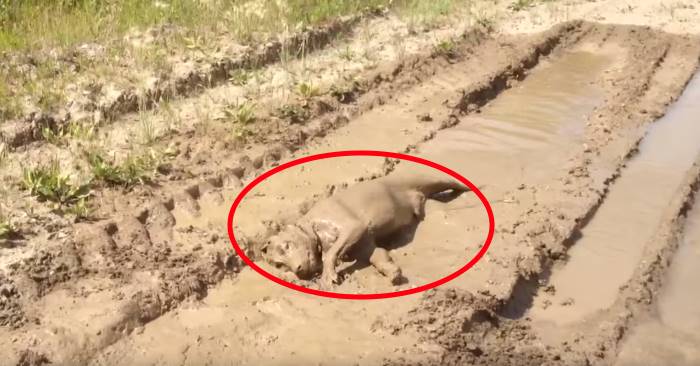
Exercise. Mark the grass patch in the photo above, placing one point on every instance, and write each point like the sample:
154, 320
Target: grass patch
345, 91
520, 5
425, 13
446, 48
7, 229
239, 77
38, 23
307, 91
241, 114
293, 113
48, 184
9, 104
135, 169
80, 130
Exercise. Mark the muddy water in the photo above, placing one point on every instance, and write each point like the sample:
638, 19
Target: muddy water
522, 134
671, 336
612, 242
265, 321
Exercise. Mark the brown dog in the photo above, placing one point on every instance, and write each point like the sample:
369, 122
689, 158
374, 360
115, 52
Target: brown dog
352, 220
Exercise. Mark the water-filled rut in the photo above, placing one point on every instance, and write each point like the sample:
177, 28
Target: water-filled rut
612, 243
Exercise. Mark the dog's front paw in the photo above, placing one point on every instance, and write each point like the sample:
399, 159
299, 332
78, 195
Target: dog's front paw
397, 278
329, 278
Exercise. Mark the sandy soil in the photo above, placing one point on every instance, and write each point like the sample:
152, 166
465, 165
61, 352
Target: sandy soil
553, 120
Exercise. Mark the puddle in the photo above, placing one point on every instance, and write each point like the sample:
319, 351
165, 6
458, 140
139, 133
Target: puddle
671, 335
517, 136
526, 130
613, 241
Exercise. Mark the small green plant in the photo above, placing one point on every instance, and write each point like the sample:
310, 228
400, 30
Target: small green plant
135, 169
7, 229
241, 132
307, 90
446, 48
239, 77
520, 5
486, 22
242, 114
147, 131
194, 43
347, 54
294, 113
61, 134
81, 209
47, 183
3, 155
345, 92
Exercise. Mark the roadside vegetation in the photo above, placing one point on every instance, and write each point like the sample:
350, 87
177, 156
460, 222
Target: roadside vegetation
49, 47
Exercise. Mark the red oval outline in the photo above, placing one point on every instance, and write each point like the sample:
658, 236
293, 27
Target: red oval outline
371, 296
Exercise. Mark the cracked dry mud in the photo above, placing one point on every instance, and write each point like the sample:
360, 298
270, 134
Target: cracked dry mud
568, 131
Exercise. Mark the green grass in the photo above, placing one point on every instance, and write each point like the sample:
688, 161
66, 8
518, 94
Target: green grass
48, 23
241, 114
32, 26
80, 130
519, 5
7, 229
423, 12
446, 48
307, 90
9, 103
293, 113
36, 23
135, 169
48, 184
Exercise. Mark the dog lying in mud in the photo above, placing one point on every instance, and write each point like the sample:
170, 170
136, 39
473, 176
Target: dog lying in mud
351, 222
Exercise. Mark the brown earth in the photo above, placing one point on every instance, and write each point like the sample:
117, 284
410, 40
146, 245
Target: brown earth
547, 122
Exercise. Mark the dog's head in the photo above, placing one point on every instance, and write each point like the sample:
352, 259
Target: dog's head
294, 249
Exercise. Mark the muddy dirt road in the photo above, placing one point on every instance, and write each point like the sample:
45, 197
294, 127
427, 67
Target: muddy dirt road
584, 137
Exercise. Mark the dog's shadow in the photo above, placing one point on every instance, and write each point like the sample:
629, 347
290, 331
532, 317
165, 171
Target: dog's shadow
394, 241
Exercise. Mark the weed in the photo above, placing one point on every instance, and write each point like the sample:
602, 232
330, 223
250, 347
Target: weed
345, 92
3, 155
294, 113
196, 43
7, 229
135, 169
47, 183
307, 90
239, 77
446, 48
9, 104
75, 129
347, 54
147, 131
519, 5
241, 132
424, 13
486, 22
241, 114
81, 209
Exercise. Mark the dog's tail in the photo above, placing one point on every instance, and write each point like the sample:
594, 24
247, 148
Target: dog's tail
431, 184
